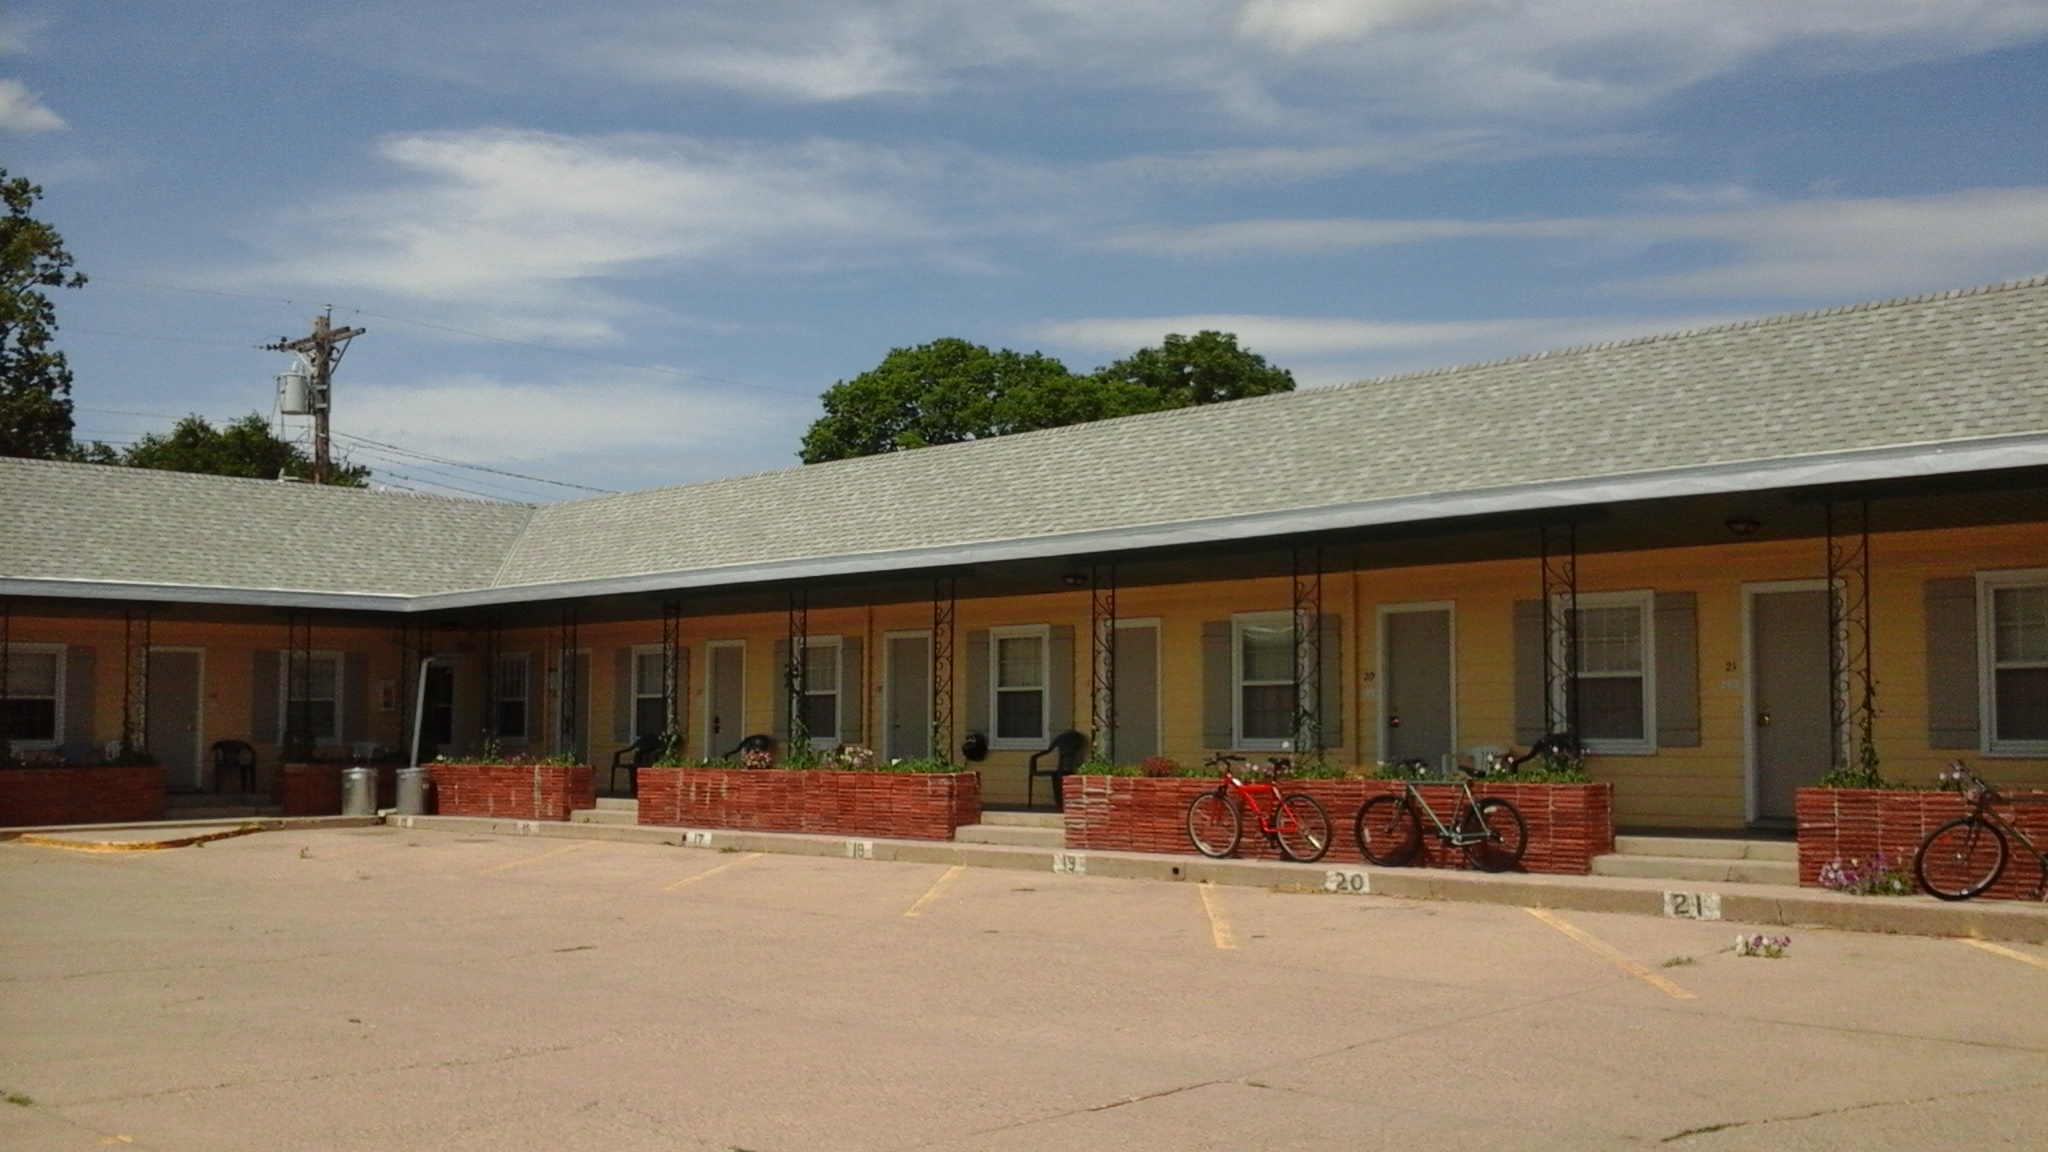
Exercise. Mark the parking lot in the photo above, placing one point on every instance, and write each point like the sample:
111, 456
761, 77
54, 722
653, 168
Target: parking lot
381, 988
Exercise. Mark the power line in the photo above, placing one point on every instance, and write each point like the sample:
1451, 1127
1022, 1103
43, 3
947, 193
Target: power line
451, 487
466, 464
366, 454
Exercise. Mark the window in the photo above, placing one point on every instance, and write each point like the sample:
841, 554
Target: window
821, 691
514, 670
32, 713
310, 697
1263, 678
2015, 607
1019, 663
650, 694
1614, 687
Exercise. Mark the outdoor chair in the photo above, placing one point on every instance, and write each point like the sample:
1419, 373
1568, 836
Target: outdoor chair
642, 753
234, 756
1068, 745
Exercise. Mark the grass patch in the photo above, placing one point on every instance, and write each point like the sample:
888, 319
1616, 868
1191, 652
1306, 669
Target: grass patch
1679, 962
18, 1099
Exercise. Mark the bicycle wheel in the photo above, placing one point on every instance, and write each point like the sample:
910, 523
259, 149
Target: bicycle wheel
1961, 858
1498, 834
1389, 831
1215, 823
1301, 828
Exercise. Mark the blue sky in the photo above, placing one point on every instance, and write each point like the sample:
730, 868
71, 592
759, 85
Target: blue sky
628, 244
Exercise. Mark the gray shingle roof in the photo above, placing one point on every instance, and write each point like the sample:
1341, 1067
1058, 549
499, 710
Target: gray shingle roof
1939, 369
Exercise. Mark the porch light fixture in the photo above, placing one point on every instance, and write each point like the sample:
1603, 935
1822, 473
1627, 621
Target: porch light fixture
1074, 579
1744, 525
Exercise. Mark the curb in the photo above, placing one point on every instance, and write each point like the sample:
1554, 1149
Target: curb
1761, 904
37, 834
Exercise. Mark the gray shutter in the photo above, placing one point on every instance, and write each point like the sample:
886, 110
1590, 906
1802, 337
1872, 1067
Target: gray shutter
622, 695
355, 697
1059, 678
81, 665
977, 684
781, 691
1216, 711
1678, 670
1333, 698
1953, 715
265, 676
1530, 713
851, 667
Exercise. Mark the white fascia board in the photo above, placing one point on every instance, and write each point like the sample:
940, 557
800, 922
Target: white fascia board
59, 589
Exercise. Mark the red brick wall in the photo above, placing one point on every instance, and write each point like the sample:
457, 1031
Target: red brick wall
308, 789
888, 805
1857, 823
511, 790
1569, 824
35, 797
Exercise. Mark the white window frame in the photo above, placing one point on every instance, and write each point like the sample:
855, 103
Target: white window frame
525, 698
1043, 634
1644, 600
284, 693
816, 649
1238, 683
1988, 663
641, 691
56, 740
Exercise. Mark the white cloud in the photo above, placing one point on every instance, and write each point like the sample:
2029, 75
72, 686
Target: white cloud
1292, 25
845, 59
21, 111
1283, 337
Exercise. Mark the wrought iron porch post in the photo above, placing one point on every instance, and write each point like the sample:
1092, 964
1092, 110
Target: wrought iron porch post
1560, 628
944, 590
1852, 689
793, 672
1308, 651
135, 645
298, 735
494, 653
569, 722
675, 729
1102, 669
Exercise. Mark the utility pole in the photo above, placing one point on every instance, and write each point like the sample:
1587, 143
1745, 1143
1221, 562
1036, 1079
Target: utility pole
322, 351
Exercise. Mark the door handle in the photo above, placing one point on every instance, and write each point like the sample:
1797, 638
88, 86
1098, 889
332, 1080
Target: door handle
1763, 718
1394, 721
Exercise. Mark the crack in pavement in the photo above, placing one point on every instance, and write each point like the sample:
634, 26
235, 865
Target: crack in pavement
1709, 1129
320, 1077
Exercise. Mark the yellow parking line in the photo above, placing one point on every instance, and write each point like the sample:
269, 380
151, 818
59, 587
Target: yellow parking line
712, 871
932, 893
531, 859
2008, 953
1609, 953
1219, 928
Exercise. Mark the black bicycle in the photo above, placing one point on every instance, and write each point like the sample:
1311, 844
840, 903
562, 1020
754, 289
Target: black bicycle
1967, 855
1491, 832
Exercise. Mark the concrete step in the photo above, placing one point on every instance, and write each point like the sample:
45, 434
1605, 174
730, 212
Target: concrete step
1708, 848
1025, 819
1724, 870
1015, 835
618, 804
604, 814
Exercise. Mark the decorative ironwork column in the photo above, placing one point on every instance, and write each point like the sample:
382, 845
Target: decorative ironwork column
1308, 651
676, 728
494, 653
135, 645
1560, 628
1852, 696
568, 720
1102, 669
793, 672
6, 680
943, 603
298, 735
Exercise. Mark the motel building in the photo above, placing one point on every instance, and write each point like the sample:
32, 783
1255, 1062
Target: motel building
1724, 559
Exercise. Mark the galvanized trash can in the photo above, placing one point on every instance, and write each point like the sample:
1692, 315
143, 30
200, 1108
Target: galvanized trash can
358, 791
412, 791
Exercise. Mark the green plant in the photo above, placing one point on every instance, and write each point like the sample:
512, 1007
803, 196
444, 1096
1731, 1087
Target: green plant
1317, 768
1549, 770
1401, 770
1880, 876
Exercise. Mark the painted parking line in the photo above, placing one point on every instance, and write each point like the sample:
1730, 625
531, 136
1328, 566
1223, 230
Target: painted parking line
692, 879
531, 859
1609, 953
931, 894
1219, 925
2002, 950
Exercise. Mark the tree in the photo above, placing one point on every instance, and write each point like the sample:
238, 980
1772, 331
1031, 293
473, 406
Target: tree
245, 447
35, 383
1206, 368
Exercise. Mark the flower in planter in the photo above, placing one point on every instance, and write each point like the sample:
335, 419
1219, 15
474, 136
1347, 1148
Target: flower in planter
1160, 766
1769, 947
1880, 876
851, 758
757, 759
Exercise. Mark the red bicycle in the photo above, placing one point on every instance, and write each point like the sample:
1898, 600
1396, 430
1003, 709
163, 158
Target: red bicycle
1294, 821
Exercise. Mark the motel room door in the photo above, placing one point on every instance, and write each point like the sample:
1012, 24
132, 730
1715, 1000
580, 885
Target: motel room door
725, 697
171, 716
1416, 720
1790, 701
907, 734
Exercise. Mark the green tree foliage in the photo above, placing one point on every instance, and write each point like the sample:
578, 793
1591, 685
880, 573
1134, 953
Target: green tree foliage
950, 390
35, 383
244, 447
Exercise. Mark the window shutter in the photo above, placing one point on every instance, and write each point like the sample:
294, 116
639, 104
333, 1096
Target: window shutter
1059, 679
1953, 714
977, 683
781, 691
355, 697
851, 700
1530, 714
622, 695
80, 680
1678, 670
1216, 711
265, 677
1333, 698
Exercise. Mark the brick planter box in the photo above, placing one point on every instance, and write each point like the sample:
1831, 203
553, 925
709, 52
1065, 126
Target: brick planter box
887, 805
1569, 824
35, 797
517, 791
1857, 823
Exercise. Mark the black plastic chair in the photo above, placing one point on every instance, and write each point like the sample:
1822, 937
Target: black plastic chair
1068, 745
643, 753
237, 756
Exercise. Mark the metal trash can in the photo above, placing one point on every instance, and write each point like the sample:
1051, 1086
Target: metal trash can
412, 791
358, 791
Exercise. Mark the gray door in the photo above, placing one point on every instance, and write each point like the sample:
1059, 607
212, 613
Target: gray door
1137, 694
908, 734
1416, 686
172, 730
1789, 663
725, 700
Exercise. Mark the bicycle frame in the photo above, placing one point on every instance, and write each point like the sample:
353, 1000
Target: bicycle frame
1983, 799
1444, 832
1273, 816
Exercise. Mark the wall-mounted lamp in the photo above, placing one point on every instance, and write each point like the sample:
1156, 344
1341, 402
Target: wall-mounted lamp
1744, 525
1074, 579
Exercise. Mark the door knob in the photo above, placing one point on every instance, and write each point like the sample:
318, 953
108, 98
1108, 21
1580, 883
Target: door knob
1394, 721
1763, 718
